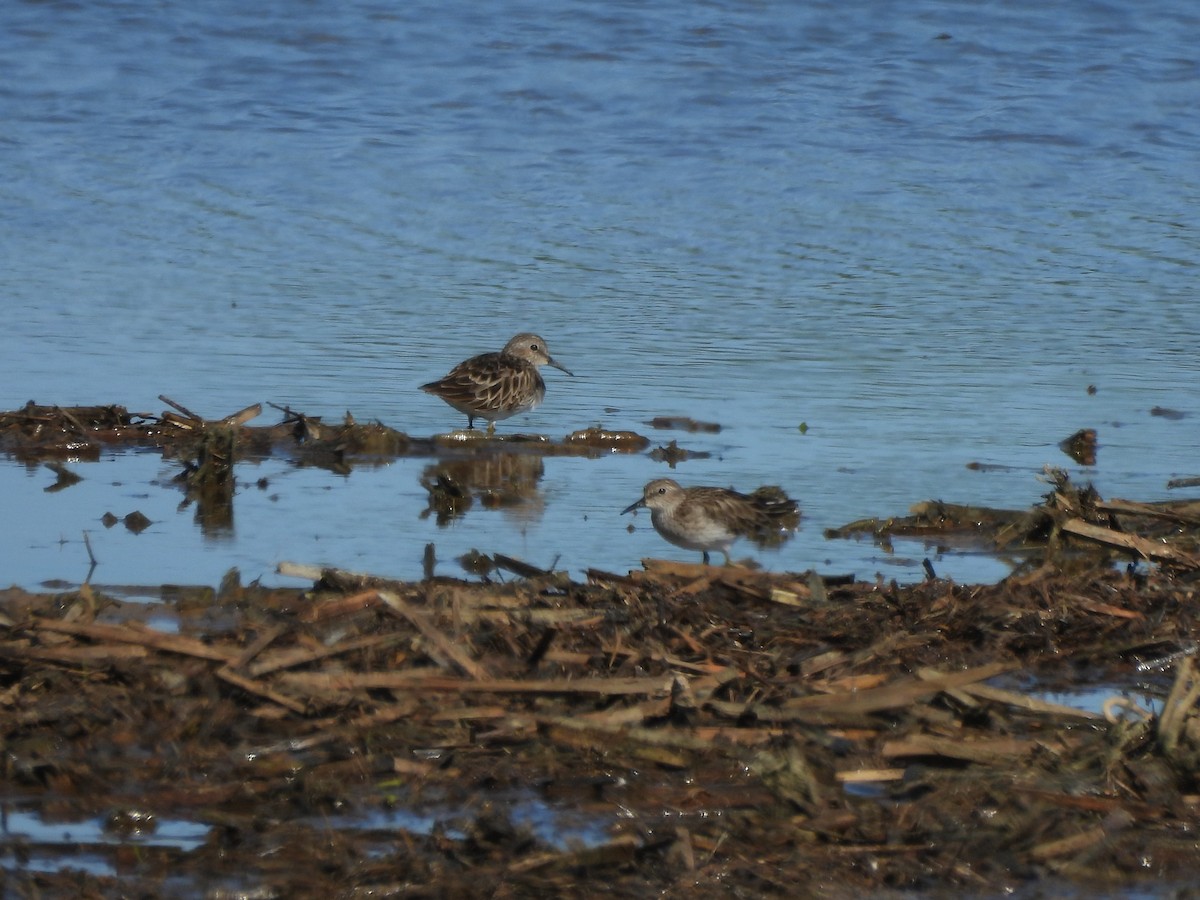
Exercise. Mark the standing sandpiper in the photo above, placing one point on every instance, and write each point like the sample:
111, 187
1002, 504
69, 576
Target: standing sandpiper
712, 518
494, 386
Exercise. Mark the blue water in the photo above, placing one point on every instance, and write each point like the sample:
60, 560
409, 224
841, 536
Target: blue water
84, 839
922, 230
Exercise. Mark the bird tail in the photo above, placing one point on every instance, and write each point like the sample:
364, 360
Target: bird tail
779, 515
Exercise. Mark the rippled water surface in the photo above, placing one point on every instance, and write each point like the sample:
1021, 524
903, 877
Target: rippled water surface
921, 231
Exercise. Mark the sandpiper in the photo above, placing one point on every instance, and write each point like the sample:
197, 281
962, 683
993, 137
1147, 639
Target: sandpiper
494, 386
712, 518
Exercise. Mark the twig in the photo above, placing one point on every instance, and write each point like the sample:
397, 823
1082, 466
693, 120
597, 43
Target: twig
518, 566
985, 751
243, 416
1185, 691
418, 681
172, 643
66, 414
444, 645
183, 409
255, 687
894, 695
1144, 547
302, 656
257, 646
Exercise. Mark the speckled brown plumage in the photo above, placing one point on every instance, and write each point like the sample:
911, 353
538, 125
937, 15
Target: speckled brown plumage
494, 386
712, 518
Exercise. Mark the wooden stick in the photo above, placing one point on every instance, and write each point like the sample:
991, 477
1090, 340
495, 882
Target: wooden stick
619, 850
897, 694
327, 733
1152, 510
319, 612
868, 776
93, 653
1185, 692
66, 414
242, 416
418, 680
157, 640
986, 751
299, 570
431, 633
1144, 547
183, 409
257, 687
1030, 704
257, 646
1113, 824
518, 566
302, 656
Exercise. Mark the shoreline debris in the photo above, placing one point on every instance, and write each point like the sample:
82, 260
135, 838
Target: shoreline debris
719, 727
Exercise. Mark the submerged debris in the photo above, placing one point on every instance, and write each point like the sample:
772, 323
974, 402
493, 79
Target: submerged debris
683, 423
1081, 446
208, 447
1165, 412
1070, 525
605, 439
672, 454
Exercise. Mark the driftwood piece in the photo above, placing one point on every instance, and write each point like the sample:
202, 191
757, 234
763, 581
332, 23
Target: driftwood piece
1185, 693
1164, 532
987, 751
295, 657
1143, 547
891, 696
130, 634
420, 681
1074, 844
253, 686
443, 644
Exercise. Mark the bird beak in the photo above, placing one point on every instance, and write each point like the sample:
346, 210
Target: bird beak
632, 506
560, 367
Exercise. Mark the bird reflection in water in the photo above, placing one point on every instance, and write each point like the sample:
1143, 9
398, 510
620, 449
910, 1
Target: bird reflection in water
504, 481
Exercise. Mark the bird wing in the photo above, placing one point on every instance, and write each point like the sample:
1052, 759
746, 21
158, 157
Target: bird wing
485, 380
765, 516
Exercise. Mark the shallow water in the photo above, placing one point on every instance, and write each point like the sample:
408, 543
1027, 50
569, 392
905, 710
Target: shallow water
923, 233
54, 845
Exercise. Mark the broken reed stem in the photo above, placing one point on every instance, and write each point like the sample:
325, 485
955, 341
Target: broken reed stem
444, 645
172, 643
180, 408
1185, 691
258, 688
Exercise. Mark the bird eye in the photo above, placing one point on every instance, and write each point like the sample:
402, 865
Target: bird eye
533, 347
662, 490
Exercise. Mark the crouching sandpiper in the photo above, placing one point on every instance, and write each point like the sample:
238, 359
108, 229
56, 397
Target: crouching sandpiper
494, 386
712, 518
